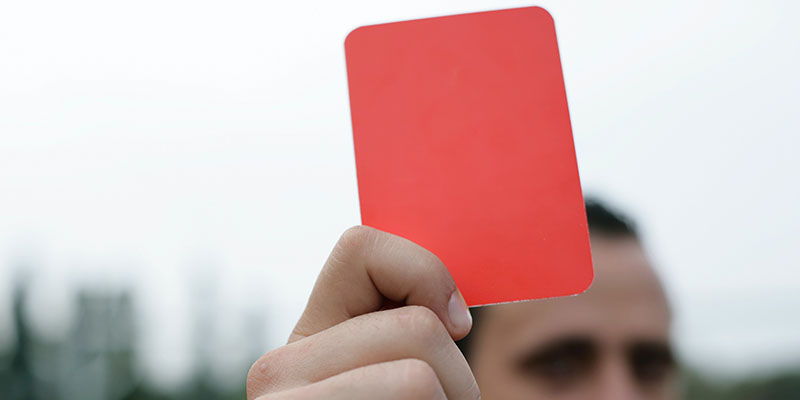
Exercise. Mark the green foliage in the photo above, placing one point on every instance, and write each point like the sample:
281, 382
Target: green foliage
780, 385
106, 368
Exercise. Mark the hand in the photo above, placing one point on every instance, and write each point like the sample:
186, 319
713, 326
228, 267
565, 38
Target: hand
379, 324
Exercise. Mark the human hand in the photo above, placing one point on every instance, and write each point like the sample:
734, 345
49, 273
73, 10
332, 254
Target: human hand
380, 323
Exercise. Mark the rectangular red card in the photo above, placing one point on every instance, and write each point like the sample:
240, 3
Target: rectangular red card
463, 145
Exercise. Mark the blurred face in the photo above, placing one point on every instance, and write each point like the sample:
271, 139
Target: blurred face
611, 342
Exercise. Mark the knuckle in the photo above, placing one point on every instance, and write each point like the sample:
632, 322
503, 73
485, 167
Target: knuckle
420, 379
352, 240
435, 262
431, 262
422, 324
433, 268
264, 373
355, 234
418, 371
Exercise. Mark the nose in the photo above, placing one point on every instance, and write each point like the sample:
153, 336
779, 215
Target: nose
616, 382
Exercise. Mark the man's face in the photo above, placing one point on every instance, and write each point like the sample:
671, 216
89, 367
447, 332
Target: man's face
611, 342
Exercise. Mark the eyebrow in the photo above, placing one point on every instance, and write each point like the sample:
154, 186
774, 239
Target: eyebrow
584, 347
577, 346
652, 349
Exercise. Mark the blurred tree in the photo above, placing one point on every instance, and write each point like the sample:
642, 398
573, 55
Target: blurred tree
96, 362
16, 381
782, 385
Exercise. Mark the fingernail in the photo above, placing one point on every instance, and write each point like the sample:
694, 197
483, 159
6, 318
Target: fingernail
459, 314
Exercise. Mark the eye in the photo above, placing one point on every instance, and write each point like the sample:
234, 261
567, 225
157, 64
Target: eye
560, 364
651, 362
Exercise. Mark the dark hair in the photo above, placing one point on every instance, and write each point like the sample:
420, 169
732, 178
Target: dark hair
601, 220
606, 221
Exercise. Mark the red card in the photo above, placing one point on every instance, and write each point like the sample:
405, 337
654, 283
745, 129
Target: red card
463, 145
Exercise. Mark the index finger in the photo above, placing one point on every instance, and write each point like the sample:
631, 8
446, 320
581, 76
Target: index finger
366, 268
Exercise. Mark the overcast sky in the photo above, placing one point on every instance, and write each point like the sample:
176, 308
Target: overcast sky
157, 146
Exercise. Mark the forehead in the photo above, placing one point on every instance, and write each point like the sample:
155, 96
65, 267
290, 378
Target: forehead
625, 301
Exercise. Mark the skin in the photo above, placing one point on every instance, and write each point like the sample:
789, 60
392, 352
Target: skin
380, 323
384, 312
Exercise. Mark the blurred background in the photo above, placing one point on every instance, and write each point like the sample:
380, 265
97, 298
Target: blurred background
174, 173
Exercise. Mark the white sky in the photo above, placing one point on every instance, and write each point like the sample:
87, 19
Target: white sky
162, 145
